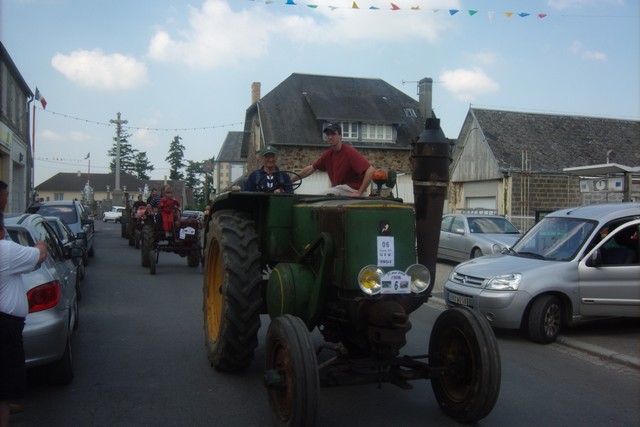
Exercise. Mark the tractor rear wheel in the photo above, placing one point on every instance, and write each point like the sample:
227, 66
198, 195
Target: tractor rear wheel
464, 347
231, 291
147, 244
193, 258
153, 260
291, 372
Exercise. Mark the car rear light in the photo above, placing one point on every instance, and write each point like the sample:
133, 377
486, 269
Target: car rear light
44, 296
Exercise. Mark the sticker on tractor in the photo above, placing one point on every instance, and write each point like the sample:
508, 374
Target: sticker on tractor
386, 251
187, 231
396, 282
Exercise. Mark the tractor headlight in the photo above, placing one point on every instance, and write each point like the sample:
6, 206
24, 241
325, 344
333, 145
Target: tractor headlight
420, 278
370, 279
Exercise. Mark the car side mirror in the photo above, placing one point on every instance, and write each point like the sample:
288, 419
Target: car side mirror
458, 230
595, 259
87, 221
81, 235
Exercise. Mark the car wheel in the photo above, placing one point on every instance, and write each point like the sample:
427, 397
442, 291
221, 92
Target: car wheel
476, 252
545, 319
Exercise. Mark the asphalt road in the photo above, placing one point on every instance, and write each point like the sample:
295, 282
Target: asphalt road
140, 360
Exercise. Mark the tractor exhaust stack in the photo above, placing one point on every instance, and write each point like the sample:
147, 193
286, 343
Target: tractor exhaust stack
430, 160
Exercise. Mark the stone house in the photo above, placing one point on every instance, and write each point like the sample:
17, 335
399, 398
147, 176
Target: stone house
520, 164
16, 157
229, 165
377, 119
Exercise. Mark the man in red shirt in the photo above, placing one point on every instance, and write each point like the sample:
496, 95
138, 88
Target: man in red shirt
349, 172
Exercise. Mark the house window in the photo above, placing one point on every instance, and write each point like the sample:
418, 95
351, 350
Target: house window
349, 130
372, 132
58, 196
410, 112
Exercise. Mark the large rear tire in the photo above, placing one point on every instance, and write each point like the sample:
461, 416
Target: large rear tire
147, 243
463, 345
291, 373
153, 260
231, 291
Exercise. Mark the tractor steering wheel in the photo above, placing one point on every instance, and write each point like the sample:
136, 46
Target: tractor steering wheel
262, 182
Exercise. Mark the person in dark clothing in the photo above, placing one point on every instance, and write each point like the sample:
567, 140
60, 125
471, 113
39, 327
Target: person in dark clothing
268, 178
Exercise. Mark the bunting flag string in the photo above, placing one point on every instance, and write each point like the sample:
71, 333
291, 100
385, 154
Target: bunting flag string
67, 116
357, 5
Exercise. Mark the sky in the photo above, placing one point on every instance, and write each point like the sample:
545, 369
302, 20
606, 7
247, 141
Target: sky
175, 67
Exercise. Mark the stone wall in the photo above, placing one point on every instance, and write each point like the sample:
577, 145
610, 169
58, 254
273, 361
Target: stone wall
531, 193
296, 158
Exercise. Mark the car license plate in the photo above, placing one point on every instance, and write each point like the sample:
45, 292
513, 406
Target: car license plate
459, 299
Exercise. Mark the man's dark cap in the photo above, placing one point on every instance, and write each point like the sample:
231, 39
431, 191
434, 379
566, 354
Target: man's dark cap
333, 128
268, 150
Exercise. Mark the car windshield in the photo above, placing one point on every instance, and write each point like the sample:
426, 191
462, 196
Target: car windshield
491, 225
66, 213
557, 239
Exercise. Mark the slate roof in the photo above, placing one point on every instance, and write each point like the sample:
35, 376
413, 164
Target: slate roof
294, 112
231, 148
65, 181
555, 142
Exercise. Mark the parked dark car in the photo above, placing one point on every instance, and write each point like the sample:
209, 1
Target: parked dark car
71, 212
53, 303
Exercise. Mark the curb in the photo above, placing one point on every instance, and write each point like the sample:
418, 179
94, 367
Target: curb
601, 352
594, 350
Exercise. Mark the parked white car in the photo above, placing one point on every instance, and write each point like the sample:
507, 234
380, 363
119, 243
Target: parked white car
114, 215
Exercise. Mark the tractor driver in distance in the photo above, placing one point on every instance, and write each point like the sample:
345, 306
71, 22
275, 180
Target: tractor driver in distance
268, 178
349, 172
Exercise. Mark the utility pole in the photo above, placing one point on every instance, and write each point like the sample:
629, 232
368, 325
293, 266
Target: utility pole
118, 124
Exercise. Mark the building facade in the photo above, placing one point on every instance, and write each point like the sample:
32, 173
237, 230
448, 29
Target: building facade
16, 159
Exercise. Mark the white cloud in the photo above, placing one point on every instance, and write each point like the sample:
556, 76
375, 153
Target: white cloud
484, 58
218, 36
50, 135
467, 84
590, 55
97, 70
78, 136
145, 140
578, 4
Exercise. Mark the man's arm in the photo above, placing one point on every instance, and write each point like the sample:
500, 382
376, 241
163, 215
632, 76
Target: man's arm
368, 176
304, 173
42, 247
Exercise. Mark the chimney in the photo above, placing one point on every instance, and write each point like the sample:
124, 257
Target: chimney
425, 97
255, 92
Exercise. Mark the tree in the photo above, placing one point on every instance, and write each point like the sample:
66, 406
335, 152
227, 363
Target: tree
127, 155
176, 158
142, 165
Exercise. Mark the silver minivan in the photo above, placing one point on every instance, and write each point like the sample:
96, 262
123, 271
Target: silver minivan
575, 264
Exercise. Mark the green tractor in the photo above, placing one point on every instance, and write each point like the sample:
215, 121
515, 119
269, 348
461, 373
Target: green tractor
355, 268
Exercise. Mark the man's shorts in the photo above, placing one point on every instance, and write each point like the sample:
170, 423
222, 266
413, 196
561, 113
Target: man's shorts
13, 382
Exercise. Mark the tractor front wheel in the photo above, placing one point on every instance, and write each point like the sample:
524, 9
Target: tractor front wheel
232, 299
291, 373
463, 348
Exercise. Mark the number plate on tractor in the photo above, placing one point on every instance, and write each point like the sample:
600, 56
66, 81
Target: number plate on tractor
396, 282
